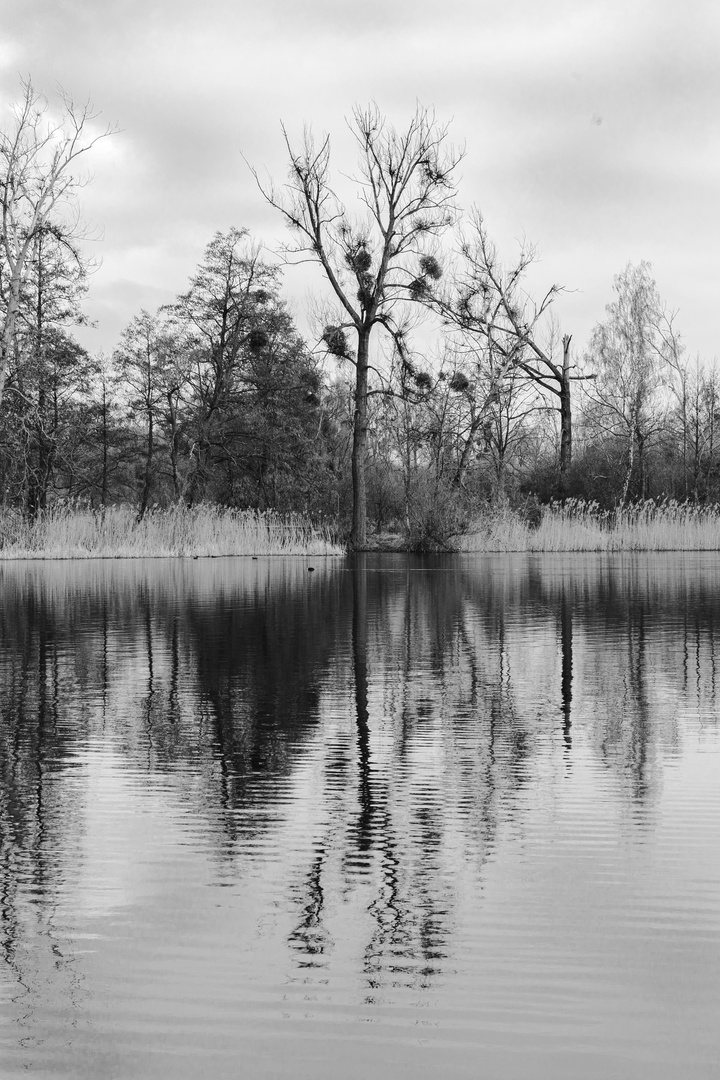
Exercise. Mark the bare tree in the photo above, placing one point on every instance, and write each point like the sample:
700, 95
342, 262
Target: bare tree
630, 351
501, 327
140, 360
375, 259
38, 189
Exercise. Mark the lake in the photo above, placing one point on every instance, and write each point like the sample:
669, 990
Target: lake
389, 818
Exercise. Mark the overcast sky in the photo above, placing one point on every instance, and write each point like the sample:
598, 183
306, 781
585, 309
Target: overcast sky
591, 128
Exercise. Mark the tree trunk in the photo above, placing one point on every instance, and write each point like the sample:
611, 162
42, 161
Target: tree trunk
8, 330
696, 456
565, 416
642, 470
685, 438
105, 438
476, 420
407, 477
45, 465
358, 535
147, 481
172, 414
630, 465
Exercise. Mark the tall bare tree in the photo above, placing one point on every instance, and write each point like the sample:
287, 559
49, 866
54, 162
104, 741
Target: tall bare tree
631, 351
502, 328
696, 388
141, 361
377, 258
39, 152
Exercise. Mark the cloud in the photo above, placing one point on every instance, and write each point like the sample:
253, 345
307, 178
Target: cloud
524, 84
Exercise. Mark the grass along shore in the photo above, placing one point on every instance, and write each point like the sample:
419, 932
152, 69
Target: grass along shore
582, 526
76, 533
73, 533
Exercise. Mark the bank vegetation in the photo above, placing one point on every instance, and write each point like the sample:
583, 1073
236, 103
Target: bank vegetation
72, 532
436, 403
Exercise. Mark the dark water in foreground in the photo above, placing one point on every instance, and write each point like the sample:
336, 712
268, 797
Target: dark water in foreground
452, 818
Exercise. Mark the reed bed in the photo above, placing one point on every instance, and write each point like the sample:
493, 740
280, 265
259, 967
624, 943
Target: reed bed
80, 533
583, 526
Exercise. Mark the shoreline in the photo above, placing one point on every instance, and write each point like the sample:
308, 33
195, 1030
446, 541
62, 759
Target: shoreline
207, 532
90, 556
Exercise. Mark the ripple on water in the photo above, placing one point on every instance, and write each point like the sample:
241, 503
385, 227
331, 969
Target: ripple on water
405, 823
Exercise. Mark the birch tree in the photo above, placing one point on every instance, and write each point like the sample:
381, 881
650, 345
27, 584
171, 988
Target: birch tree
630, 353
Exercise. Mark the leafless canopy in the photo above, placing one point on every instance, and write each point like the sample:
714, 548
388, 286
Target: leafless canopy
489, 304
383, 253
379, 258
38, 182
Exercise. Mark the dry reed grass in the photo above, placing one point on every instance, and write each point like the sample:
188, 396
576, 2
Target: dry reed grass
72, 532
582, 526
79, 533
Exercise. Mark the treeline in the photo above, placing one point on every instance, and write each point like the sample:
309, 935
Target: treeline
433, 384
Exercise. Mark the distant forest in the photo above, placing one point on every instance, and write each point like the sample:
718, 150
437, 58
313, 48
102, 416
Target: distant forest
433, 381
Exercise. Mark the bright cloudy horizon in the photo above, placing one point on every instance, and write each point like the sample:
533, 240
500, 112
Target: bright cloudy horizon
590, 129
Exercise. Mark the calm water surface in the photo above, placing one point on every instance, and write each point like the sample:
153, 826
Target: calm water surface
391, 819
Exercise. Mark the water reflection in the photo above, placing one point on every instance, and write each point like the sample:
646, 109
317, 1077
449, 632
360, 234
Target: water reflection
314, 793
566, 650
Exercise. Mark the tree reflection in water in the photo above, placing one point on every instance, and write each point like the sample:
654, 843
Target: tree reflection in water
368, 730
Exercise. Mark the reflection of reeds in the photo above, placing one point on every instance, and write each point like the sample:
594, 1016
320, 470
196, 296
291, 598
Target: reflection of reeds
72, 532
576, 525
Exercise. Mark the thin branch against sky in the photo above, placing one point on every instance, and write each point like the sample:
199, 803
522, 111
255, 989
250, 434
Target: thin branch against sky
590, 129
